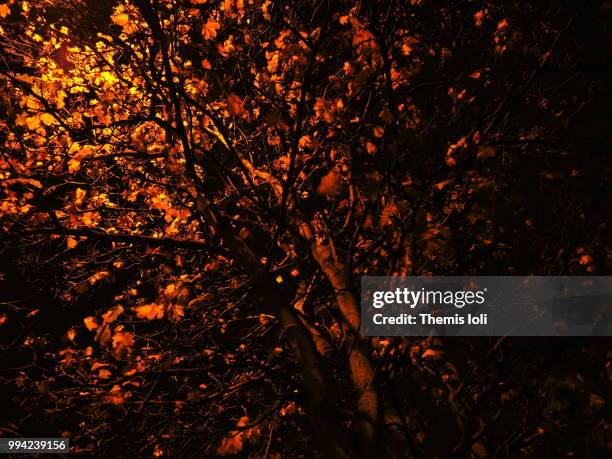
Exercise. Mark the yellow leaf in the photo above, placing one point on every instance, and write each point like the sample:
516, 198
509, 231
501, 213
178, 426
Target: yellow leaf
79, 196
33, 122
47, 119
71, 243
74, 165
4, 10
121, 19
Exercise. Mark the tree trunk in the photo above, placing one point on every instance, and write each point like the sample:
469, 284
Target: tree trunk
368, 413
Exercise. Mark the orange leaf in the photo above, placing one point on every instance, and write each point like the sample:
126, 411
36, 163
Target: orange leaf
379, 131
209, 30
444, 184
91, 323
175, 312
149, 311
329, 183
235, 105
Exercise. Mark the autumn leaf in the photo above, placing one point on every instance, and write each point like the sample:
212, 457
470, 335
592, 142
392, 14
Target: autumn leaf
379, 132
111, 315
74, 165
235, 105
91, 323
122, 342
371, 148
363, 38
175, 312
149, 311
479, 17
127, 24
305, 142
4, 10
104, 373
329, 183
234, 442
121, 19
116, 396
432, 353
390, 215
230, 445
444, 184
209, 30
100, 276
104, 336
47, 119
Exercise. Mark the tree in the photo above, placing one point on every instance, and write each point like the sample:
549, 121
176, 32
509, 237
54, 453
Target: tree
193, 189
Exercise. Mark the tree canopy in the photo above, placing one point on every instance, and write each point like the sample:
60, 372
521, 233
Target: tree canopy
191, 189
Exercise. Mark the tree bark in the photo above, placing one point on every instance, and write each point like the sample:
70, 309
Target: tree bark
367, 423
325, 422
